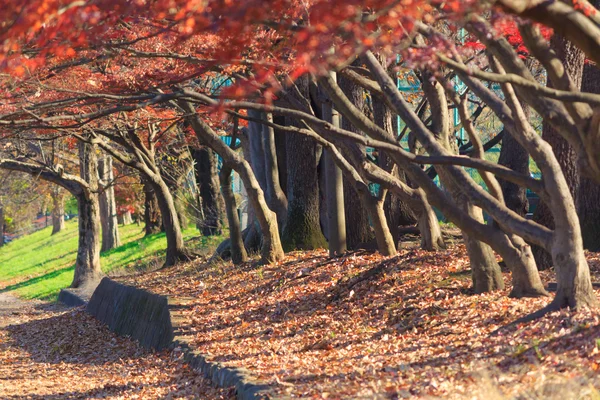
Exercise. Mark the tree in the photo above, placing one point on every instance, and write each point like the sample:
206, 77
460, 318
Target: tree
141, 156
572, 58
85, 189
303, 35
302, 230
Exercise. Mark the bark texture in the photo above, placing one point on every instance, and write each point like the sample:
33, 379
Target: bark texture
87, 263
515, 157
573, 60
302, 230
274, 194
238, 251
358, 229
588, 198
108, 205
334, 192
176, 250
58, 210
205, 165
152, 217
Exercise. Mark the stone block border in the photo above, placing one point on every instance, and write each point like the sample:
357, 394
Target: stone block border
72, 298
246, 386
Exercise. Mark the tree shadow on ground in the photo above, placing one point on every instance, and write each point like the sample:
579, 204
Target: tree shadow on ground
36, 279
62, 339
34, 267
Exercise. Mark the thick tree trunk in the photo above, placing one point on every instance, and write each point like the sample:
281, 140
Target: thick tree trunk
302, 229
58, 210
108, 206
152, 217
515, 157
525, 277
238, 251
572, 271
205, 164
87, 263
485, 271
358, 228
176, 250
573, 61
588, 199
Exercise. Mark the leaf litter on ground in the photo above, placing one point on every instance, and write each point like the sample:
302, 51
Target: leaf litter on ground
53, 353
366, 326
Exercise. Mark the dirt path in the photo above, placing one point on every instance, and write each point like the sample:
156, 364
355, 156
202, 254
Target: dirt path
11, 306
50, 352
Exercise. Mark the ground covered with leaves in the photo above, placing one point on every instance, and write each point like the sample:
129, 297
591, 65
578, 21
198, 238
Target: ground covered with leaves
363, 326
47, 352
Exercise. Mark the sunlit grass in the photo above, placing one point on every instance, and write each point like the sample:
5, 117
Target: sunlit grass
39, 265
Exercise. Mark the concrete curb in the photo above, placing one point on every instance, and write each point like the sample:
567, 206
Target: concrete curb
72, 298
247, 387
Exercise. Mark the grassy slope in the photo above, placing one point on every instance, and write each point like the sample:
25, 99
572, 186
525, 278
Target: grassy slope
39, 265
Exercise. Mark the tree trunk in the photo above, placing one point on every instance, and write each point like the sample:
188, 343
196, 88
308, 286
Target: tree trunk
205, 164
573, 61
87, 263
252, 234
588, 199
485, 271
152, 217
358, 229
58, 210
334, 192
238, 251
385, 241
336, 222
515, 157
302, 229
518, 257
274, 195
176, 250
429, 226
1, 225
127, 220
108, 206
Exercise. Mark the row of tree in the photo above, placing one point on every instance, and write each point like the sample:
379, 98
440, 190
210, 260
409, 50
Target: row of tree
304, 92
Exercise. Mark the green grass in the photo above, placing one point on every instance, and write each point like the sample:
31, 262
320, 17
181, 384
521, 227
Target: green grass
37, 266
